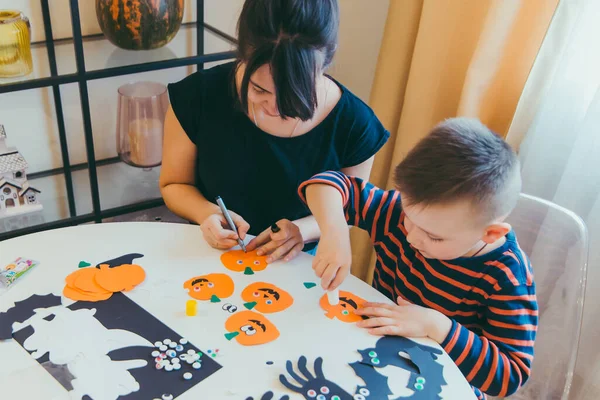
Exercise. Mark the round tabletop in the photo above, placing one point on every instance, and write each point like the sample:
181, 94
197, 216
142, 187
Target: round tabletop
64, 349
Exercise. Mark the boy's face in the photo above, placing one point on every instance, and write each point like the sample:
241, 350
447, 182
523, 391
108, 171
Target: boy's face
443, 231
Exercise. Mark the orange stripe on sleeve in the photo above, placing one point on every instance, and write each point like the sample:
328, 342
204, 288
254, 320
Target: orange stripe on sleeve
520, 362
505, 269
511, 254
518, 327
391, 207
377, 214
524, 297
517, 311
505, 375
466, 350
367, 205
492, 373
448, 348
480, 360
514, 342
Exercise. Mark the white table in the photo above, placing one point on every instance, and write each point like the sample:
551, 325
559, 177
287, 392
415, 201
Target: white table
173, 253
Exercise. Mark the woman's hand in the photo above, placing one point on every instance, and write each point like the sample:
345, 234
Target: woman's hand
217, 234
286, 243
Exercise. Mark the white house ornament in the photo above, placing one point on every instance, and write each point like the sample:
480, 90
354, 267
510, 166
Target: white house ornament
16, 195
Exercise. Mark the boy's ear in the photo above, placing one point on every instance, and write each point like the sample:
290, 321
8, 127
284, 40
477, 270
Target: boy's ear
495, 231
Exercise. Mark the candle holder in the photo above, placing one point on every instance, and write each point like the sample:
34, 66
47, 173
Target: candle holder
142, 108
15, 50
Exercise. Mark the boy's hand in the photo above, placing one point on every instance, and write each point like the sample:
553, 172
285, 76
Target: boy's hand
216, 231
404, 319
287, 242
333, 259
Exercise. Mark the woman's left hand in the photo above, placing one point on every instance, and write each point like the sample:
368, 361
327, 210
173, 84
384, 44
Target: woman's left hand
287, 243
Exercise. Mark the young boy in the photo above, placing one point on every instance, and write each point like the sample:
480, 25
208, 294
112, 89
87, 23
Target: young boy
444, 253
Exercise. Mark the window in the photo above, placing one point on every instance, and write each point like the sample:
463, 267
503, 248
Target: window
6, 190
18, 174
31, 198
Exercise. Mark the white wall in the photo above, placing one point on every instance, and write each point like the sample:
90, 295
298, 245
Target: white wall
29, 116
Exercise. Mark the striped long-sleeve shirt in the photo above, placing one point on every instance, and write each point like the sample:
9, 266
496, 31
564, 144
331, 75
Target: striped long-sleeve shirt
490, 298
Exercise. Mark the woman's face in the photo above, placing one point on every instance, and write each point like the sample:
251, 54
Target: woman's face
261, 91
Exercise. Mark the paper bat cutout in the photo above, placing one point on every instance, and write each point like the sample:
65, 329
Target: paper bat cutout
312, 386
23, 310
125, 259
376, 385
426, 374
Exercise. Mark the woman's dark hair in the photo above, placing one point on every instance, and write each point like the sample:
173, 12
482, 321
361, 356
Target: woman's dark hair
297, 38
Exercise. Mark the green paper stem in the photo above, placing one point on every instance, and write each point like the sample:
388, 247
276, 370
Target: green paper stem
83, 264
309, 285
215, 299
231, 335
250, 305
248, 271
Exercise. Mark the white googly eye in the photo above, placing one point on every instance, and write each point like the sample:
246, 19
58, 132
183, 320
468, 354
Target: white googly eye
364, 391
248, 330
269, 302
210, 284
256, 294
256, 262
240, 262
311, 393
359, 397
321, 397
325, 390
196, 288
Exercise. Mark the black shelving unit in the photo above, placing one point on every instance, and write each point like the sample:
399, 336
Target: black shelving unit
81, 77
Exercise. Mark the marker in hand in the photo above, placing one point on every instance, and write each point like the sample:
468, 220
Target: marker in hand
230, 221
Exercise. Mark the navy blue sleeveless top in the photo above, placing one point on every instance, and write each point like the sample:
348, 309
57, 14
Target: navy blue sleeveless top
258, 174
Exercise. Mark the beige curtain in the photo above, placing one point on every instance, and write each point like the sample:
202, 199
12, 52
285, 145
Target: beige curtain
446, 58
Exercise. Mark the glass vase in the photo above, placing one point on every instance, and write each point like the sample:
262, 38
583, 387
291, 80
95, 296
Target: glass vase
15, 50
142, 107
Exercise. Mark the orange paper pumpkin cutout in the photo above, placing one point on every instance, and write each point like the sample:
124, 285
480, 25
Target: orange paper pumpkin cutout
238, 261
79, 295
96, 284
205, 286
344, 310
250, 328
85, 281
267, 297
81, 286
120, 279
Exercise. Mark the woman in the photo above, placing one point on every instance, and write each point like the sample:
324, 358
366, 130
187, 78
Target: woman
251, 131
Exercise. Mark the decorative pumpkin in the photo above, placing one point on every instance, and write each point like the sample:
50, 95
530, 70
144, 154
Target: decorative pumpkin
139, 24
266, 297
120, 279
344, 310
238, 261
250, 328
206, 286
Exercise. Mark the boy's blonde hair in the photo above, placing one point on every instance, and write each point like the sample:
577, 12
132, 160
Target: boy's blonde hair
462, 159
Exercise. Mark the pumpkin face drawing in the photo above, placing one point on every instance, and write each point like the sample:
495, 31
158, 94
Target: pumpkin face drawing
238, 261
266, 298
204, 287
344, 310
250, 328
